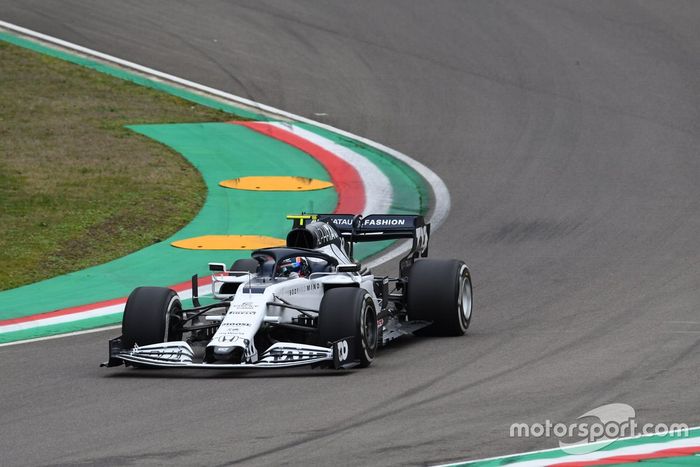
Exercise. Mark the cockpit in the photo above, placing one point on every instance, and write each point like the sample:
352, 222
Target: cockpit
285, 263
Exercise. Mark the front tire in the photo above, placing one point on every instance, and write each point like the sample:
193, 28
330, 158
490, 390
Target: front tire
350, 312
440, 291
151, 316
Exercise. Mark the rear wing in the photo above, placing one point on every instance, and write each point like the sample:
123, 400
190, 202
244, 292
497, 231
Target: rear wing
375, 227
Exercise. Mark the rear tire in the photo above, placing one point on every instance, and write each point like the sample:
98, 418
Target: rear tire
151, 316
350, 312
440, 291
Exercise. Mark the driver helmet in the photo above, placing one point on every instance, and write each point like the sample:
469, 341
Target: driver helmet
294, 267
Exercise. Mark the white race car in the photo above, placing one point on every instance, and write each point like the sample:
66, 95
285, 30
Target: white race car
308, 303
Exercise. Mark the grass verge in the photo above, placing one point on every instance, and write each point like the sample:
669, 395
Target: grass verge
77, 188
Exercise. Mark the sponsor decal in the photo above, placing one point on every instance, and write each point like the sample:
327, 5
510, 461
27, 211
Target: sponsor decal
325, 234
230, 339
291, 355
343, 350
244, 306
306, 288
343, 221
384, 222
374, 222
169, 353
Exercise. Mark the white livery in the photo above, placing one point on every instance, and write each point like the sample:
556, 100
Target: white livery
308, 303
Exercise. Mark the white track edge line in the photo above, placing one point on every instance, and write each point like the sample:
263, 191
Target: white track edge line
203, 291
58, 336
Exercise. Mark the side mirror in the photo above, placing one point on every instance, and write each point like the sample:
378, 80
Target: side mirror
353, 267
221, 267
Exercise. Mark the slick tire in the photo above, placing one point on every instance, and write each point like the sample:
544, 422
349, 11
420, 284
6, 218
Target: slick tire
440, 291
151, 316
349, 312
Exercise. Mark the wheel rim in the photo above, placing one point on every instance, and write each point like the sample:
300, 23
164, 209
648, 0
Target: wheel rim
465, 297
369, 328
171, 325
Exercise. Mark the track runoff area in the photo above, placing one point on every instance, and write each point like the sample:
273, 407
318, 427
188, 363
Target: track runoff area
258, 171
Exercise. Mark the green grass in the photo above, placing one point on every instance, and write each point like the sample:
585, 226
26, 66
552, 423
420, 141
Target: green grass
77, 188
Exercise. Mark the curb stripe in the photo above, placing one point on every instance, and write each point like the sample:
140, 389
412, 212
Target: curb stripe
61, 335
378, 188
662, 454
345, 178
103, 308
642, 445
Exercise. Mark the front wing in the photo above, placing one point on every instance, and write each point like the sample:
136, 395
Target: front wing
179, 354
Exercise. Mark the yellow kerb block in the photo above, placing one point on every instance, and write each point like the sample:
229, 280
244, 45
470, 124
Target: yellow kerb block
228, 242
276, 183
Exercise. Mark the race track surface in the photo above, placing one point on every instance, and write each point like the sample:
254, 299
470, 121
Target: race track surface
568, 135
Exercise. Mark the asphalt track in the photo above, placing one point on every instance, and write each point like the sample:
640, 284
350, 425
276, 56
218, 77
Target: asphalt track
568, 135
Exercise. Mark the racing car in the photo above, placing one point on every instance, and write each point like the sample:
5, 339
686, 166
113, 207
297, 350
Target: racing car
306, 303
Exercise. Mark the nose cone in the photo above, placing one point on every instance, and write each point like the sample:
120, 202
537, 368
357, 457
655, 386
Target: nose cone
216, 354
